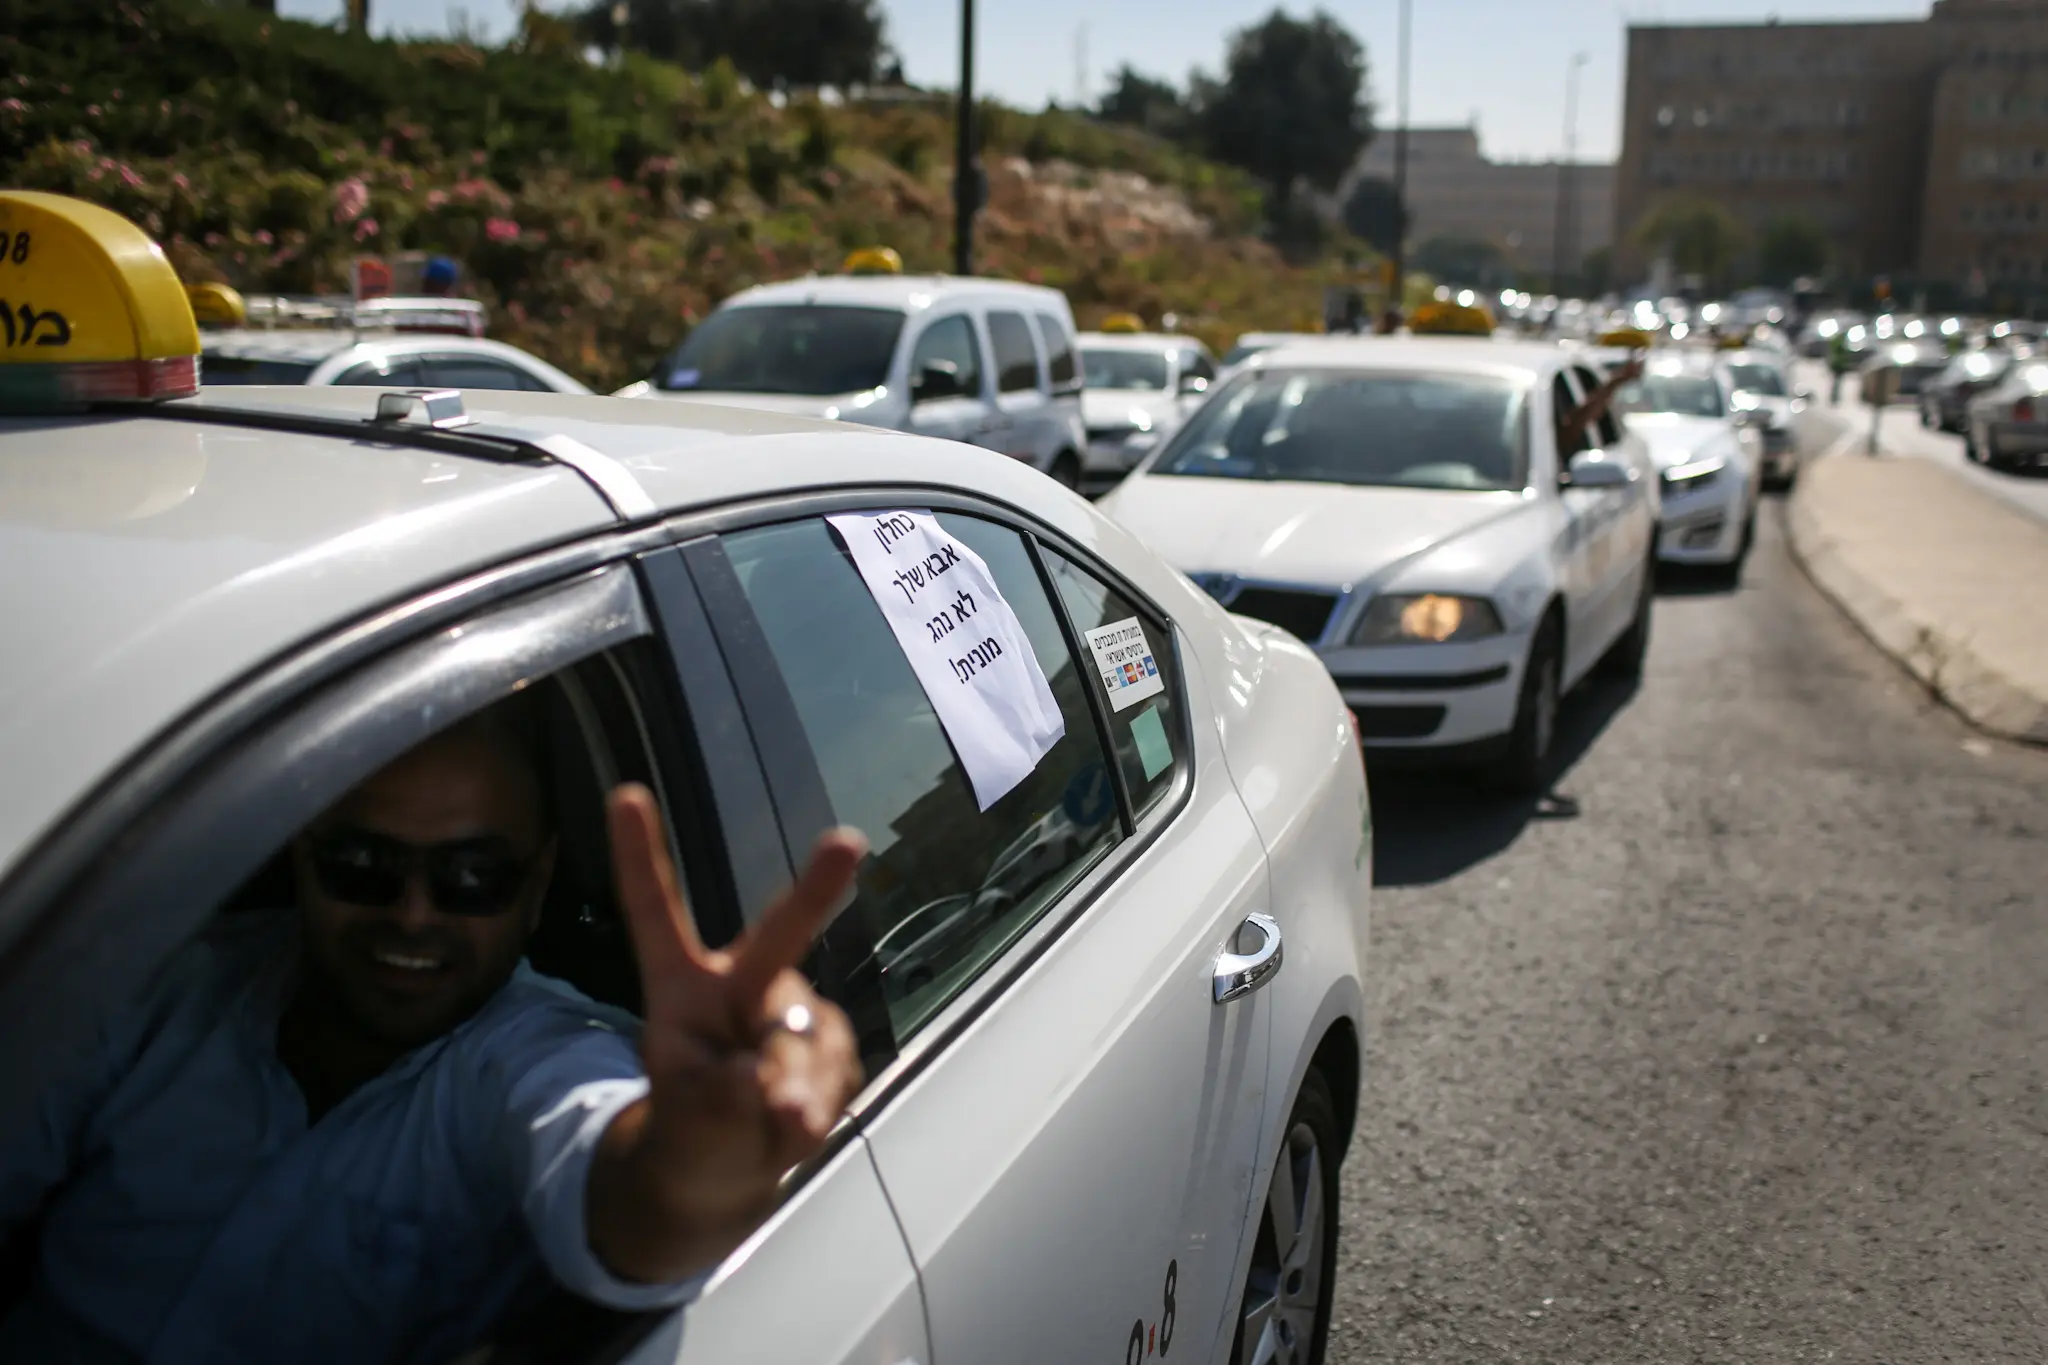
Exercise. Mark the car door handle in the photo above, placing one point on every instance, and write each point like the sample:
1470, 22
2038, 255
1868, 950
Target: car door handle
1239, 974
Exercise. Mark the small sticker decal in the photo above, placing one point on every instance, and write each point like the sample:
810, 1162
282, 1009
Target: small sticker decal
1149, 733
1123, 656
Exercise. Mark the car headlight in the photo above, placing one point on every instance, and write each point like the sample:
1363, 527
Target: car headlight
1691, 478
1425, 618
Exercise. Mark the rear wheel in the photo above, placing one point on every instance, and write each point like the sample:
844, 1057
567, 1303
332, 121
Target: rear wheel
1284, 1315
1525, 769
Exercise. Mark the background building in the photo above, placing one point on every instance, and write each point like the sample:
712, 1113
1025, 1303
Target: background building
1915, 151
1456, 195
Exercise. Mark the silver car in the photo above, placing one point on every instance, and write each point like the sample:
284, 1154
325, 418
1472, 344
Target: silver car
2006, 425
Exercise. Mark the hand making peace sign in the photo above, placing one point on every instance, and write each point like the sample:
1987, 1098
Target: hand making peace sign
748, 1068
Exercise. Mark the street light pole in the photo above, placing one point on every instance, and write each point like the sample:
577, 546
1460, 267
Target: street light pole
966, 184
1398, 268
1561, 246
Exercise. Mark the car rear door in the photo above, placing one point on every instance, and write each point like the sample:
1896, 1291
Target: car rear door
1068, 1128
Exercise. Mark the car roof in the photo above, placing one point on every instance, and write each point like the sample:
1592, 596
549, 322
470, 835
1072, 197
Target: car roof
1139, 341
911, 293
157, 557
305, 345
1472, 354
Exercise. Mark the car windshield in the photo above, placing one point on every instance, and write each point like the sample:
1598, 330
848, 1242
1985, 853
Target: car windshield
795, 348
1124, 370
235, 369
1454, 431
1762, 379
1685, 394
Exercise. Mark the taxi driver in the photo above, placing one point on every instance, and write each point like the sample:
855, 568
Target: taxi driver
365, 1130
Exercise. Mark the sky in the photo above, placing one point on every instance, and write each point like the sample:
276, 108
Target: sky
1501, 63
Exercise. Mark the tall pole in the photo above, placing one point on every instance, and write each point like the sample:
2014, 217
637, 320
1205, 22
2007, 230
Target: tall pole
966, 184
1397, 276
1561, 246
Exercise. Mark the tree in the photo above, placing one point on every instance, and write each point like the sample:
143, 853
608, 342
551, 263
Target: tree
1374, 213
1792, 247
1141, 102
773, 43
358, 12
1700, 236
1289, 107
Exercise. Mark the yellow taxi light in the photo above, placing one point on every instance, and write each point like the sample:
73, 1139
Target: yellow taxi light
216, 305
1627, 338
1451, 319
92, 310
874, 260
1123, 323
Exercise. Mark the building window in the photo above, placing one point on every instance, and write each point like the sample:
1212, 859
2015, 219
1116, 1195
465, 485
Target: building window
1666, 116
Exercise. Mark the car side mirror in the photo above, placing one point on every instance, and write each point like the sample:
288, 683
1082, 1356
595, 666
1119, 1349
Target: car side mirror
1592, 469
937, 379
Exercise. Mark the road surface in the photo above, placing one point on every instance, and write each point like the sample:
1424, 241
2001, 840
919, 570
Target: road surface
1737, 1051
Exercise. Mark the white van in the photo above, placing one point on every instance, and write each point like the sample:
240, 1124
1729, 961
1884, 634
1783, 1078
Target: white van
990, 362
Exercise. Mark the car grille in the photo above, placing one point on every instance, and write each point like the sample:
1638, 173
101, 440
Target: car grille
1303, 614
1398, 722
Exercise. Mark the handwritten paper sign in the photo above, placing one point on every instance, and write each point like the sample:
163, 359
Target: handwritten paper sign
1124, 658
963, 641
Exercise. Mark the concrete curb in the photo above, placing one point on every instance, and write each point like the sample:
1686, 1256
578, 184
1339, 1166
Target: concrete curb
1941, 659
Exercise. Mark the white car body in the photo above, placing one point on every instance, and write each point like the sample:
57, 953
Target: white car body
1127, 422
322, 356
1025, 406
1316, 554
225, 611
1709, 470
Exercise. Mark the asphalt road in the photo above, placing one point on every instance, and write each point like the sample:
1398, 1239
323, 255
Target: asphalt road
1739, 1053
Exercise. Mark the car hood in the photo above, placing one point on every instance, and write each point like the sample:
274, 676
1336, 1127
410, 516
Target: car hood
1674, 439
1114, 407
788, 404
1296, 532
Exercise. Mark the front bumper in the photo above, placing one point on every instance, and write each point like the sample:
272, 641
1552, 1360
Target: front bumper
1781, 453
1704, 527
1426, 699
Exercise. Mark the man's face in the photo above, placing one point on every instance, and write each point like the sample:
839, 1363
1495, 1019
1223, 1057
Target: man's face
459, 821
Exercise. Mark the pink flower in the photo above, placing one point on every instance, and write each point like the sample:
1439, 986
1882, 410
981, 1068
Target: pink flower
405, 180
351, 197
501, 229
263, 237
178, 179
366, 229
13, 106
130, 178
163, 106
92, 111
213, 239
476, 158
436, 198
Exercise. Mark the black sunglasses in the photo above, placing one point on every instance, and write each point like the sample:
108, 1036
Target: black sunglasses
480, 876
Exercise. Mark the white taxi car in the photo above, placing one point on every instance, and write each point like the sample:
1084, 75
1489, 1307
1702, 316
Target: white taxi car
1403, 506
988, 362
1138, 387
375, 357
1114, 1059
1709, 456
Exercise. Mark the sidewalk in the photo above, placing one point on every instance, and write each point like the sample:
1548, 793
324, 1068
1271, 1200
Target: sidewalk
1948, 580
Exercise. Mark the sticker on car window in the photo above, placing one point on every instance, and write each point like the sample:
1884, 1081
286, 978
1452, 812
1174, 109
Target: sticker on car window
964, 642
1123, 656
1148, 732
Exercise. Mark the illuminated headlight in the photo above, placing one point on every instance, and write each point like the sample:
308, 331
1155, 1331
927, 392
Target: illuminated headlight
1691, 478
1426, 618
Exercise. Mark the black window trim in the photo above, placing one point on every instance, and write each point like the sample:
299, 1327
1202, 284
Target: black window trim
1042, 320
1041, 360
1074, 904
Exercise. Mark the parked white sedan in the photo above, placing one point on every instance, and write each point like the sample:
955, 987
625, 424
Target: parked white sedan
1104, 961
1403, 507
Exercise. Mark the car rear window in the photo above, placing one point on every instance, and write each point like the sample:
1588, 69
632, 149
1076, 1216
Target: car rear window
1108, 369
812, 349
1417, 430
234, 369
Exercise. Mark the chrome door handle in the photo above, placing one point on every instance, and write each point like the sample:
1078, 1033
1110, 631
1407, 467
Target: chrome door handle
1239, 974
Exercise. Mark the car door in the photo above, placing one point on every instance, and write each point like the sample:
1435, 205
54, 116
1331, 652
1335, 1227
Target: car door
1068, 1131
1024, 428
205, 852
964, 411
1622, 526
1581, 547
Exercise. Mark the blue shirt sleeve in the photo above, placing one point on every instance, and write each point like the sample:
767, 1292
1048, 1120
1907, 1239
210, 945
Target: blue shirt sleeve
568, 1080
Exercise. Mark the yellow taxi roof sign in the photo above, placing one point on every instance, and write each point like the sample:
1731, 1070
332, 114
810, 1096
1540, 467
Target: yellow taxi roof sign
216, 305
1451, 319
94, 311
1123, 323
874, 260
1630, 338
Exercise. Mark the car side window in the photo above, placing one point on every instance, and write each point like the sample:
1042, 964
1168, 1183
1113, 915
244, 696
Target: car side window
471, 372
950, 342
1016, 357
403, 374
1061, 365
1198, 365
1608, 429
1140, 681
947, 887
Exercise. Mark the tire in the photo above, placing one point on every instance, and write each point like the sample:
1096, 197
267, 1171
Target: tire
1525, 769
1626, 655
1971, 451
1288, 1289
1066, 471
